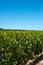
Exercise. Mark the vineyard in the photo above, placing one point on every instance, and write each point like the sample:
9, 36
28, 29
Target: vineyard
17, 47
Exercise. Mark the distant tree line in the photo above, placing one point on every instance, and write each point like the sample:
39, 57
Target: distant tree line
1, 29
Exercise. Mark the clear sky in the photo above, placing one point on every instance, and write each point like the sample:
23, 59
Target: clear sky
21, 14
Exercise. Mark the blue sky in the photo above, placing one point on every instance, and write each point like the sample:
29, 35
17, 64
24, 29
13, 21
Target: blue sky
21, 14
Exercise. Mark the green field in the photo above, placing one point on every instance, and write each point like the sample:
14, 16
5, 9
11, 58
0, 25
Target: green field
18, 46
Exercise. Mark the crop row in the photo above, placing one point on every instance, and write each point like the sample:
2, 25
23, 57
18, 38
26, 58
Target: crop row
17, 47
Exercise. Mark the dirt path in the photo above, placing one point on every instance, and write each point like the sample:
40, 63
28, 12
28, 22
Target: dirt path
37, 61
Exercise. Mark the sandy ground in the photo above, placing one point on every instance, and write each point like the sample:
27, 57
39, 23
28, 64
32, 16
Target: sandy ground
40, 63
